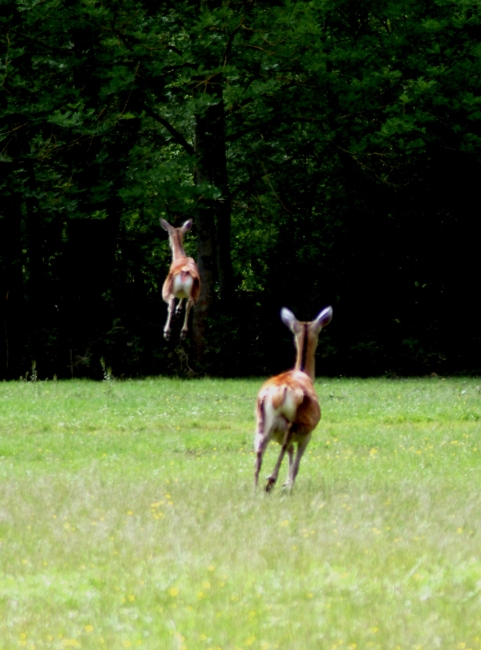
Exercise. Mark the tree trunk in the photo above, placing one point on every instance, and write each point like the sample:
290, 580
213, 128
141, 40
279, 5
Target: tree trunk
217, 163
214, 216
206, 252
36, 286
11, 290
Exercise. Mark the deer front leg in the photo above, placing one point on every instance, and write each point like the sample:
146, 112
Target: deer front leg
185, 326
170, 311
271, 481
178, 309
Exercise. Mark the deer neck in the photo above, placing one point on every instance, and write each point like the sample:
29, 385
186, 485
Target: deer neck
177, 246
306, 344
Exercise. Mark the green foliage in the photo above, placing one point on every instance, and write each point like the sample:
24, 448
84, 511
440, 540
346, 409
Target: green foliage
350, 134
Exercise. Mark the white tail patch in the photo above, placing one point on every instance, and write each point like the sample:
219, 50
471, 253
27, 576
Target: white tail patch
283, 400
183, 283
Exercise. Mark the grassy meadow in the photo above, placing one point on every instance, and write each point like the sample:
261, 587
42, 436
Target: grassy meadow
128, 518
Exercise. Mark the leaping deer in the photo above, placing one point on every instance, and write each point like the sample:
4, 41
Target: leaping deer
183, 280
287, 406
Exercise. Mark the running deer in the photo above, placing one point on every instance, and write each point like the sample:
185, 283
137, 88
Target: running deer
287, 406
183, 280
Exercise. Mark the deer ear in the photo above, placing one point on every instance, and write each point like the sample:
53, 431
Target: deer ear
165, 225
323, 319
187, 226
288, 318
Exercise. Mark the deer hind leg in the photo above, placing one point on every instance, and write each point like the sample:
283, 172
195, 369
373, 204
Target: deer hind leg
170, 311
301, 448
265, 425
271, 481
261, 446
185, 326
290, 454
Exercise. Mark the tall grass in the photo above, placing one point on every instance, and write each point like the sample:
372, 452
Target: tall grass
128, 518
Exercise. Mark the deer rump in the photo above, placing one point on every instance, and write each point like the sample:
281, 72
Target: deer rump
287, 400
183, 280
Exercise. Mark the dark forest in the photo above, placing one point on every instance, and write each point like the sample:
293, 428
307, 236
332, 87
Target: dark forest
328, 153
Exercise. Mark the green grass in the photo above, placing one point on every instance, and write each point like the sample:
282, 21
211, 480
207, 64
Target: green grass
128, 518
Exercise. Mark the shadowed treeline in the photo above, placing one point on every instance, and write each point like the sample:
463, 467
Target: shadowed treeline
327, 153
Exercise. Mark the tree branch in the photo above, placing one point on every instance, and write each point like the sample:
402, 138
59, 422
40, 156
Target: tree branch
228, 47
176, 135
